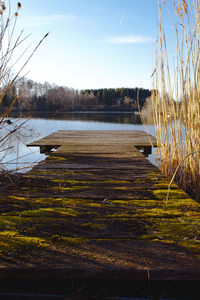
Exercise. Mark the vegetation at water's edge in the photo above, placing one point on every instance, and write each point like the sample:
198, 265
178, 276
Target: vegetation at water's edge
11, 55
178, 127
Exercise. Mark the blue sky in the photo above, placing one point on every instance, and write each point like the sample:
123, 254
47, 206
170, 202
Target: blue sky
92, 43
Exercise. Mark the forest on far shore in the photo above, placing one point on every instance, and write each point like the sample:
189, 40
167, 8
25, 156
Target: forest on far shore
47, 97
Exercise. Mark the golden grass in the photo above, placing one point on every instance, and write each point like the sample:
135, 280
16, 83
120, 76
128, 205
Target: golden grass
176, 96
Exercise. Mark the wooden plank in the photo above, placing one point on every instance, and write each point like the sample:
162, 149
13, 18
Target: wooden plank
96, 208
63, 137
94, 149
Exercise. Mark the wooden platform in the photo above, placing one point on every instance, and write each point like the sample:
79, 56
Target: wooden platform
121, 142
96, 208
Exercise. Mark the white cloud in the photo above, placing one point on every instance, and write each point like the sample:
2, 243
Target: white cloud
43, 20
129, 39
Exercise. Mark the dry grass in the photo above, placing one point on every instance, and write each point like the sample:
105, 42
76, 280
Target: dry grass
11, 57
178, 123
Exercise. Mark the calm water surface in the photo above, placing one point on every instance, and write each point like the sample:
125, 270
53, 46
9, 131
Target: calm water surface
16, 155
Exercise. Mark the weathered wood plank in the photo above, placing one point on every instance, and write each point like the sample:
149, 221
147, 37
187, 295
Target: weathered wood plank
96, 208
63, 137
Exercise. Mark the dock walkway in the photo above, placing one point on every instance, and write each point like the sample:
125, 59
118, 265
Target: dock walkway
96, 208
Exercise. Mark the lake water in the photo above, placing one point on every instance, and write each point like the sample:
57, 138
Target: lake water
15, 154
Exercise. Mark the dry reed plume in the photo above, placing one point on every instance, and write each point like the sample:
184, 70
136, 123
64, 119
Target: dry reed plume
177, 123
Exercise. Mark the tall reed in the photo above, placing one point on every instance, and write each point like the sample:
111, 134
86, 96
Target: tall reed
176, 96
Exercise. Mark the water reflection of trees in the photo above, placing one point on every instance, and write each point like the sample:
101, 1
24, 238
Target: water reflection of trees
104, 117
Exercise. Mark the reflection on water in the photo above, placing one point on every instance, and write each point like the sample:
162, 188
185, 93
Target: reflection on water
105, 117
14, 153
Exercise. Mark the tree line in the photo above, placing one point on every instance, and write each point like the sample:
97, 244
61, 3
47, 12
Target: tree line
33, 96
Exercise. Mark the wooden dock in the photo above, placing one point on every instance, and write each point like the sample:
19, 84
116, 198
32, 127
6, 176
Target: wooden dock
96, 209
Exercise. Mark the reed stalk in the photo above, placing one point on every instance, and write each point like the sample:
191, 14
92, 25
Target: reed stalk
176, 96
12, 63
